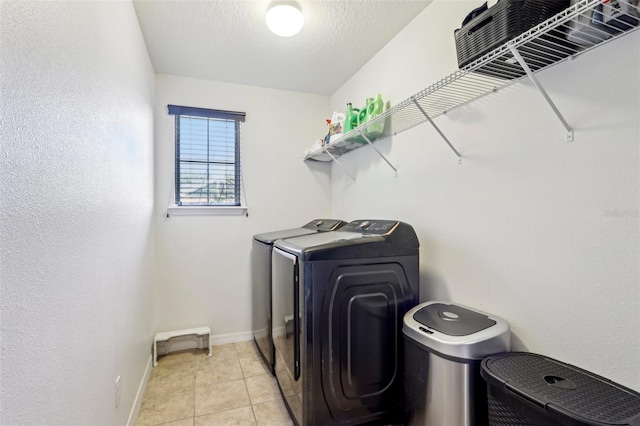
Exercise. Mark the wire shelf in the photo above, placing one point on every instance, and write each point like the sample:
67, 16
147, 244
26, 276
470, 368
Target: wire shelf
561, 37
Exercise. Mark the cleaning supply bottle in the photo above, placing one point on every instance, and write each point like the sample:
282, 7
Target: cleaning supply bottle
351, 118
362, 117
374, 109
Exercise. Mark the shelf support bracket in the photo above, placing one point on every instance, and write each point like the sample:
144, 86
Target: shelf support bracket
341, 166
442, 135
376, 150
569, 134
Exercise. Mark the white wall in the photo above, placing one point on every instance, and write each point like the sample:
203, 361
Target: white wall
204, 275
76, 216
541, 232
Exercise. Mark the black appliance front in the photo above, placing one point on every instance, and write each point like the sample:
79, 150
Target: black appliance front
341, 361
262, 246
261, 295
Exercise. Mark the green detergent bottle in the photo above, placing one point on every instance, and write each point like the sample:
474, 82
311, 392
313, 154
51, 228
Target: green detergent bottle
362, 117
374, 109
351, 118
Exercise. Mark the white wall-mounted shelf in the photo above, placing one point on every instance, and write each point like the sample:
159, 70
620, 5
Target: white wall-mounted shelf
560, 38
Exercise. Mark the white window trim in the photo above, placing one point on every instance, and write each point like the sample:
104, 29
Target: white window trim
174, 210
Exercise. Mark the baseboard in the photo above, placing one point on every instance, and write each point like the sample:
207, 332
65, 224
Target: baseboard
137, 403
223, 339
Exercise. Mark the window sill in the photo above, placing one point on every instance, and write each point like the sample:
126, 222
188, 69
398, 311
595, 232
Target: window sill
206, 210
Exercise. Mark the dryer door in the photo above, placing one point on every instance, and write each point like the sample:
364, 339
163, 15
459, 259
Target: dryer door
285, 320
286, 327
261, 292
362, 342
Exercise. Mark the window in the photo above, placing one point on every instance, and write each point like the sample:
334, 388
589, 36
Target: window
207, 155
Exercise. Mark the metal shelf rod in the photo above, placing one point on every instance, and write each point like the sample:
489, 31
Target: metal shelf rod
442, 135
534, 80
379, 153
341, 166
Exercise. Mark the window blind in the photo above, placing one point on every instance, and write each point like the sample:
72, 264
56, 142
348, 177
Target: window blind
207, 155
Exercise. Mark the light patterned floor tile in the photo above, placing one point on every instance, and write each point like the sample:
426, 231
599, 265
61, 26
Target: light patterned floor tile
262, 388
183, 361
252, 365
246, 348
162, 407
162, 380
219, 370
184, 422
272, 413
224, 351
211, 398
236, 416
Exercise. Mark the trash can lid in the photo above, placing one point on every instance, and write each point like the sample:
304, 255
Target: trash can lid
456, 331
453, 320
561, 391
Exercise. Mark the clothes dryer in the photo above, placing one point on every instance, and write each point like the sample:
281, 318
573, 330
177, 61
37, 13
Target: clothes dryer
338, 300
262, 246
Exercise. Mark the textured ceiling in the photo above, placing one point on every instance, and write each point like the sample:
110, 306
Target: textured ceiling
228, 40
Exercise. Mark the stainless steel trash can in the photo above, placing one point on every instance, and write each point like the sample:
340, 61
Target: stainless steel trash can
444, 345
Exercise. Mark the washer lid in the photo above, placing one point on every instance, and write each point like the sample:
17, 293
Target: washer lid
270, 237
315, 226
325, 225
356, 240
453, 320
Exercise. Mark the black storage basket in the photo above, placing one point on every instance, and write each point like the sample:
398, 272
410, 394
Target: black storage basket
500, 23
526, 389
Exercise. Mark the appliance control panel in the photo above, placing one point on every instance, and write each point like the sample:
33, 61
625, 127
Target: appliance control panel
370, 226
324, 225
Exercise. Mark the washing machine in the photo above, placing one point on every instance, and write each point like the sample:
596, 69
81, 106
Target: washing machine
262, 245
338, 300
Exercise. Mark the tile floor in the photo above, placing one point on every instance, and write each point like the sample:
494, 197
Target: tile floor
233, 387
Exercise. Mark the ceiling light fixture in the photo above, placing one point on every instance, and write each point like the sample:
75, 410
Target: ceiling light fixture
284, 17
